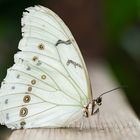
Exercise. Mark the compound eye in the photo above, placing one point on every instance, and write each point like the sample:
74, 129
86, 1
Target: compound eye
99, 101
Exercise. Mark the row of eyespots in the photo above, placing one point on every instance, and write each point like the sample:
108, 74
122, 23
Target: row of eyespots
27, 98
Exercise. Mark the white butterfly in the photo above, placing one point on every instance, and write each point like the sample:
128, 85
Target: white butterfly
48, 86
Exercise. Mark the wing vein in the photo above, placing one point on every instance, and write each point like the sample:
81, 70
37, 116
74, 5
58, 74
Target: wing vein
45, 101
63, 76
49, 24
71, 77
34, 78
74, 45
42, 54
40, 29
55, 81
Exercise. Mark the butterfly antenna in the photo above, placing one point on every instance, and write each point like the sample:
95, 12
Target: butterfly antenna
121, 87
98, 100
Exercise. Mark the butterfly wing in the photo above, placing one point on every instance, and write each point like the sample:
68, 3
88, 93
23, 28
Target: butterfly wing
49, 79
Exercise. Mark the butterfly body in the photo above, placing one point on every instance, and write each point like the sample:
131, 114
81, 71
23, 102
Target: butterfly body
48, 86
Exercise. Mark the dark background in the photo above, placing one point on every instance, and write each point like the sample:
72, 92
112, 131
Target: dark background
107, 30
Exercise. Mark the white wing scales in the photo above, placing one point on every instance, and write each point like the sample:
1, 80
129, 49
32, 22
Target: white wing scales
22, 74
31, 45
48, 85
56, 72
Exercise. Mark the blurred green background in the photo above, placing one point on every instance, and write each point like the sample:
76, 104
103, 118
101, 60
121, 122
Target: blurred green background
107, 30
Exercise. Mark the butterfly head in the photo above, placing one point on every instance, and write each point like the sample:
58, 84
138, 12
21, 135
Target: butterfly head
89, 109
98, 101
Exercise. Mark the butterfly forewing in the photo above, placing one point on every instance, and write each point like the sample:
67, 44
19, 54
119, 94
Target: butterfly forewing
49, 79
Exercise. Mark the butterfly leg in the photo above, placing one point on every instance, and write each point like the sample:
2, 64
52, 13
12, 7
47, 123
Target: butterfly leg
82, 122
97, 112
